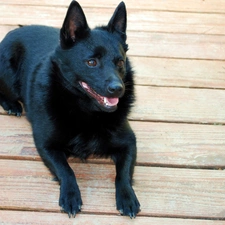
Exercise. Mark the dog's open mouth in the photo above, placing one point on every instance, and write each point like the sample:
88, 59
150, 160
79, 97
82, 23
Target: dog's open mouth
108, 103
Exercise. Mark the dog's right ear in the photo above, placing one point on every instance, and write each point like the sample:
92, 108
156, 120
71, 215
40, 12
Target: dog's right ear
74, 26
118, 22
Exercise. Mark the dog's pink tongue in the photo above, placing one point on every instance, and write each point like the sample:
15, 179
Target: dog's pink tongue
111, 101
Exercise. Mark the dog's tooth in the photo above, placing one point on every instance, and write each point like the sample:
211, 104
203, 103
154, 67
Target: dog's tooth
84, 85
105, 101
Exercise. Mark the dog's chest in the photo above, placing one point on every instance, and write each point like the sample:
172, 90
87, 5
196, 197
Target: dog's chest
85, 144
92, 139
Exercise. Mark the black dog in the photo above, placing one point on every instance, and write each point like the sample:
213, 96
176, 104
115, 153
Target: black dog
77, 95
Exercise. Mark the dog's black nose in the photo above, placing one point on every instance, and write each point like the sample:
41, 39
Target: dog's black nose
116, 89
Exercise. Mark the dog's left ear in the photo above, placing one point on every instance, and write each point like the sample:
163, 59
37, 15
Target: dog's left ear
118, 22
74, 26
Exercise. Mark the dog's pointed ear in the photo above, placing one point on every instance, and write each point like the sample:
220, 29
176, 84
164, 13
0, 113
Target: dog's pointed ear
74, 26
118, 22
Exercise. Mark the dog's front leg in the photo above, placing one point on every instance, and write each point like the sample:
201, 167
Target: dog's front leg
70, 198
126, 200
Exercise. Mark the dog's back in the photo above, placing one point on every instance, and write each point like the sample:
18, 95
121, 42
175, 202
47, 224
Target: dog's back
26, 46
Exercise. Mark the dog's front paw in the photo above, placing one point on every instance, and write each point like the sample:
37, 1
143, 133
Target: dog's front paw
70, 200
127, 202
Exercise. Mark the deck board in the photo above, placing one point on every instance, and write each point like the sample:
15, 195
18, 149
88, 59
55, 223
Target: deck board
217, 6
168, 197
181, 46
171, 72
177, 50
13, 217
179, 105
139, 20
179, 72
164, 144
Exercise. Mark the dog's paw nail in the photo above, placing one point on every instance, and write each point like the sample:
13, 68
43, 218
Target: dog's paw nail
121, 211
132, 215
62, 210
72, 215
55, 179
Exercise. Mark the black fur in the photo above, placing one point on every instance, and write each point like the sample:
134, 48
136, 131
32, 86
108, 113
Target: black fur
70, 81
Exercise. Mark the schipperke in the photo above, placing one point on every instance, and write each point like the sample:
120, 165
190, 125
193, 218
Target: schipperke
77, 88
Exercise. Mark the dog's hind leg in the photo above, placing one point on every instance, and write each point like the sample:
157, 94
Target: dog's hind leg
11, 58
9, 91
12, 107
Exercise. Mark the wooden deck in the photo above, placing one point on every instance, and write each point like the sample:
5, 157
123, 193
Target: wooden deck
178, 52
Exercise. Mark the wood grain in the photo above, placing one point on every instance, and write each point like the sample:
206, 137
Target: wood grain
184, 46
170, 45
174, 45
164, 144
172, 72
161, 191
186, 105
184, 145
138, 20
15, 217
215, 6
179, 105
179, 72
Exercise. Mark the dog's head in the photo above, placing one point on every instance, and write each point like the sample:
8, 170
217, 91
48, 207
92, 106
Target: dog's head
93, 62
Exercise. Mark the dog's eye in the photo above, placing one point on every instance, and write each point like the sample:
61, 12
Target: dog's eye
120, 63
92, 62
